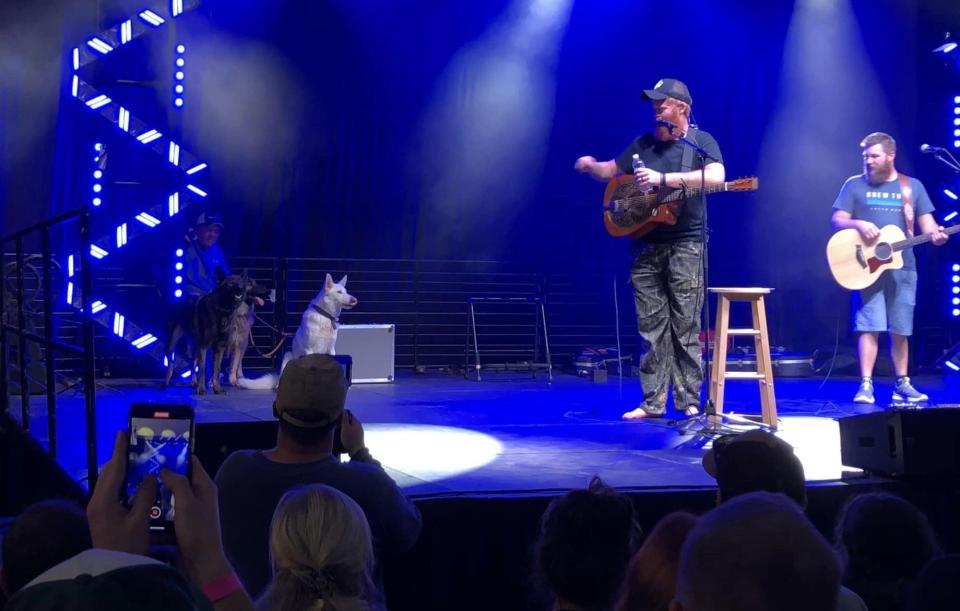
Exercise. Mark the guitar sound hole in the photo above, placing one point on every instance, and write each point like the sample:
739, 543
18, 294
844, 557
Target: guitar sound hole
883, 251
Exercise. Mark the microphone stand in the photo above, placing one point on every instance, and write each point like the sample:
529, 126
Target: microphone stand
946, 158
709, 422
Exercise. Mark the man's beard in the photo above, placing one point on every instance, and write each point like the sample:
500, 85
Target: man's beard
879, 173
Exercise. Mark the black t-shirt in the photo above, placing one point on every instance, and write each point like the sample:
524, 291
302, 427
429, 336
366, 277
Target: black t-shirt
668, 157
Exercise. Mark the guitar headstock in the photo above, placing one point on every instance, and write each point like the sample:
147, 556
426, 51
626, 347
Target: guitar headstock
751, 183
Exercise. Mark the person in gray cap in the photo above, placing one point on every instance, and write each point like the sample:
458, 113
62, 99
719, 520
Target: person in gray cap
667, 270
203, 256
309, 405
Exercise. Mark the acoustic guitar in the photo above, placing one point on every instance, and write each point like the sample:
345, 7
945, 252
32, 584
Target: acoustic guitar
629, 212
855, 264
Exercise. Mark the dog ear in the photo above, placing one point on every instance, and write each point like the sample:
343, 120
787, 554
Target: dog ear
329, 281
343, 281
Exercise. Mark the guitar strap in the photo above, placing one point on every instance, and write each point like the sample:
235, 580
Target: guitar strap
686, 164
906, 196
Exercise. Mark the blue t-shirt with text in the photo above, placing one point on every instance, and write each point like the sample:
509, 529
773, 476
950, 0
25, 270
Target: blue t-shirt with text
882, 205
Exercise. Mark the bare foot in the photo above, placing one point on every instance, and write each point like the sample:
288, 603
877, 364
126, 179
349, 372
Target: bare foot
638, 414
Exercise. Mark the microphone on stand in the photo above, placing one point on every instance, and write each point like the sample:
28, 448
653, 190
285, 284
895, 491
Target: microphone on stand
926, 148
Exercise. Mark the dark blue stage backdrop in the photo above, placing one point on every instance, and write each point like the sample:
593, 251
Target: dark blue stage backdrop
423, 129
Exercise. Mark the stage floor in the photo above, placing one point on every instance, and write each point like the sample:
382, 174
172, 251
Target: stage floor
438, 434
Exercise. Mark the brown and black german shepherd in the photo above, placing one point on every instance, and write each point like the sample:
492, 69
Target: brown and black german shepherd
210, 323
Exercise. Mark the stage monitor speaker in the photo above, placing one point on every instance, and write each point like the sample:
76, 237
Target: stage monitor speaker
903, 442
28, 474
214, 441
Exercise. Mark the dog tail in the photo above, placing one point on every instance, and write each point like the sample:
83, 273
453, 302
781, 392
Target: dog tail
264, 382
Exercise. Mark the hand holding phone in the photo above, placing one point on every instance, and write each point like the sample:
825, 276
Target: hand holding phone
161, 437
112, 525
198, 524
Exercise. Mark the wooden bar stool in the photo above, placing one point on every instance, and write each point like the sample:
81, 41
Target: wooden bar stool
764, 372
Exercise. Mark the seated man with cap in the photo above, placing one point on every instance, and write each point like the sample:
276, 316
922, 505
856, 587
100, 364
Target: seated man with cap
309, 405
203, 256
757, 461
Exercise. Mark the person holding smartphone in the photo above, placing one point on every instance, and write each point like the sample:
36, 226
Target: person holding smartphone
117, 573
309, 405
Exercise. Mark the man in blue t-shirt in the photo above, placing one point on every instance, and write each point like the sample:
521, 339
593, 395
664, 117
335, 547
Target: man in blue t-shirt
867, 202
667, 271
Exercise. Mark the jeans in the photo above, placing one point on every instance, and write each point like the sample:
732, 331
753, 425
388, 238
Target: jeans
667, 284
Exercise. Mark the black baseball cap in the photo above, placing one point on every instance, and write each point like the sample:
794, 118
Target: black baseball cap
668, 88
755, 460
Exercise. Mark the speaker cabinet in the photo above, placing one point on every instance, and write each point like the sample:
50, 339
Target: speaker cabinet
903, 442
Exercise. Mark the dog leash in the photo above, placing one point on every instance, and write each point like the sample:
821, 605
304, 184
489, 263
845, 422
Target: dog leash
283, 337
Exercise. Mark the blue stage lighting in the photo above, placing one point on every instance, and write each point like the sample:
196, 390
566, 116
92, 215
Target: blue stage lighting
179, 252
178, 293
149, 136
181, 49
97, 201
178, 280
179, 75
99, 45
152, 18
950, 216
178, 102
126, 32
118, 323
148, 219
97, 188
143, 341
98, 102
950, 194
180, 62
173, 153
178, 89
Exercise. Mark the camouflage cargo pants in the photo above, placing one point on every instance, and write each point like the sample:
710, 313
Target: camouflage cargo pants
667, 284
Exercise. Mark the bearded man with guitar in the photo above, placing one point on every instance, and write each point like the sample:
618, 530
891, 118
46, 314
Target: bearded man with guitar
881, 197
667, 271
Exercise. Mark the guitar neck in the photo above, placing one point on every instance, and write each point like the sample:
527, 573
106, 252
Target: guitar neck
920, 239
695, 192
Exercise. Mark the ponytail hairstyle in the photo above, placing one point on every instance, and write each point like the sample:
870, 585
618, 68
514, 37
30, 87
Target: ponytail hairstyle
321, 553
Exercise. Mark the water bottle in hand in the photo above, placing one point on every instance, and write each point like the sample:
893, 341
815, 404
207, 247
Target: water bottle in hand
637, 164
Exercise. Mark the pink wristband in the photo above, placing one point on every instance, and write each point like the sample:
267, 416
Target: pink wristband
221, 588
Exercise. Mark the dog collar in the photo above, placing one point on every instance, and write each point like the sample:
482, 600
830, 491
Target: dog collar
324, 313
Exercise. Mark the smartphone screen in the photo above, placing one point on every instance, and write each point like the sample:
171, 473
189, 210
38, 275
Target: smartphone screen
160, 438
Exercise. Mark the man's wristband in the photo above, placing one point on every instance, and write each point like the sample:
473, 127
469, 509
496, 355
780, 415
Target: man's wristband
663, 180
219, 589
